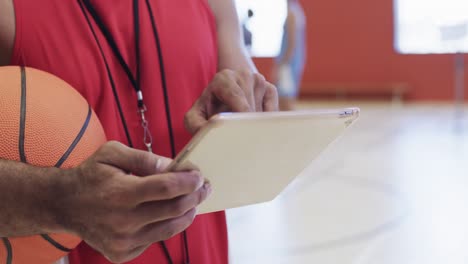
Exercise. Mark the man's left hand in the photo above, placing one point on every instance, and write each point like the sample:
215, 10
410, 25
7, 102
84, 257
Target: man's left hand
232, 91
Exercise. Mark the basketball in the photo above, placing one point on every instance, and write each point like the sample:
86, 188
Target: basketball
43, 122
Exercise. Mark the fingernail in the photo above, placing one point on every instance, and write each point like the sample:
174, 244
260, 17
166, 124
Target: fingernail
201, 181
207, 187
158, 165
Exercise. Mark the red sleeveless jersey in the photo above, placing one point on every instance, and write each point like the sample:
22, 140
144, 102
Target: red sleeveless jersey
54, 36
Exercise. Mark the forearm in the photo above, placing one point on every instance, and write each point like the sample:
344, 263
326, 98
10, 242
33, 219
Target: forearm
28, 201
234, 57
231, 51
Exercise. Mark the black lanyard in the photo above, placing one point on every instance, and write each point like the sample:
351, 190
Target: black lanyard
136, 83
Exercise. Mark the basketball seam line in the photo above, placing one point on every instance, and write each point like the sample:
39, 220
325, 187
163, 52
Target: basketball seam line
22, 116
76, 141
60, 163
22, 153
7, 244
54, 243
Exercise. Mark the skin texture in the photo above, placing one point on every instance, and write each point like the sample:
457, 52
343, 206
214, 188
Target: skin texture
237, 87
116, 213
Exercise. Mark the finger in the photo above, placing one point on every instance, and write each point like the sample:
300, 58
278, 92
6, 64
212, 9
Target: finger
164, 230
152, 212
231, 94
162, 164
270, 99
138, 162
246, 82
259, 90
195, 119
167, 186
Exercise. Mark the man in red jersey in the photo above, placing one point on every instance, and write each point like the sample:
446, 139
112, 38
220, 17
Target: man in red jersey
176, 62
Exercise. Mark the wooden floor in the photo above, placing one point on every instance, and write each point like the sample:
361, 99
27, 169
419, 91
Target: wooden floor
392, 190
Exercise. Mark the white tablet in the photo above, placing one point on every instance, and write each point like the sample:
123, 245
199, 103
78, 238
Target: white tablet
251, 157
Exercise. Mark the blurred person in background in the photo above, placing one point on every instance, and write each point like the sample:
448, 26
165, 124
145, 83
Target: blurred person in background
289, 65
246, 32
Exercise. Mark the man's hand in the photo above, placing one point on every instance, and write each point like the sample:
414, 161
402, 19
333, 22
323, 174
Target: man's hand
120, 214
232, 91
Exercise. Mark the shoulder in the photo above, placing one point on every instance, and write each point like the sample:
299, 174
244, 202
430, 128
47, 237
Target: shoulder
7, 30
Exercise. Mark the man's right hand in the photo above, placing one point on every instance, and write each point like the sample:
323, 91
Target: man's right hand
120, 214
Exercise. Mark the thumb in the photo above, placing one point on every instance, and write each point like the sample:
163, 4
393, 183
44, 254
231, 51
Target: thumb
195, 119
138, 162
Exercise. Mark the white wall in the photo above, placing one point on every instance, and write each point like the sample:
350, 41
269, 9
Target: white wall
266, 25
431, 26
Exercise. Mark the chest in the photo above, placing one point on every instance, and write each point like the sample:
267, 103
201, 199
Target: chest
54, 35
60, 37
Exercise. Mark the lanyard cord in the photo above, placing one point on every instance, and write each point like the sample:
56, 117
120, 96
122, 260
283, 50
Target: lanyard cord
111, 79
112, 43
136, 82
162, 72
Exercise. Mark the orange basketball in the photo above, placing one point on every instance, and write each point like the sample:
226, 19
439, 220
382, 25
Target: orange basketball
47, 123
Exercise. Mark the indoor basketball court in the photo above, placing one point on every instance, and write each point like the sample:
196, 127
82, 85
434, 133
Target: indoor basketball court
391, 190
145, 132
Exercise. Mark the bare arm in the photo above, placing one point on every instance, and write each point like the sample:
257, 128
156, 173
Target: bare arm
7, 31
118, 214
231, 51
26, 199
25, 196
238, 86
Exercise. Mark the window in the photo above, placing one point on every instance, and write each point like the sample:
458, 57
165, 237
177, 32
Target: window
266, 25
431, 26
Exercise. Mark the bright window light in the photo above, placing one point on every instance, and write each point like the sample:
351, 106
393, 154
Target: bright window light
266, 25
431, 26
